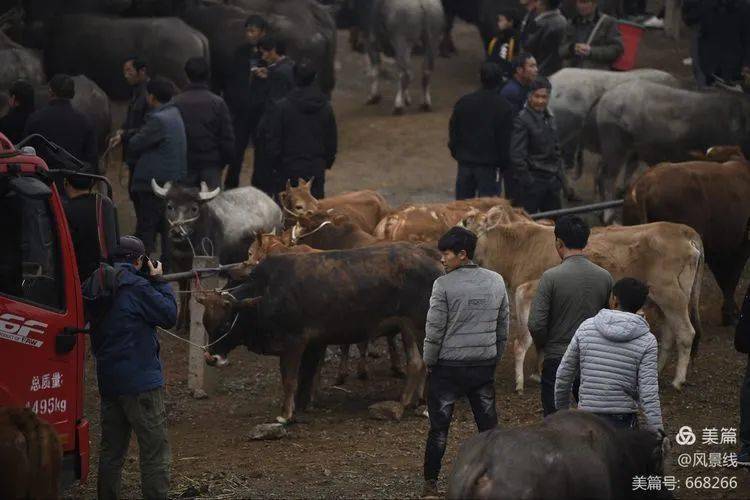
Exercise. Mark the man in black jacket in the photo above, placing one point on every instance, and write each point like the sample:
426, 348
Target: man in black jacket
742, 344
545, 36
479, 137
535, 153
64, 125
208, 127
21, 105
302, 138
242, 92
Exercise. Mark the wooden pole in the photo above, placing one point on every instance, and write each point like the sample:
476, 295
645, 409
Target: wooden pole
673, 18
201, 379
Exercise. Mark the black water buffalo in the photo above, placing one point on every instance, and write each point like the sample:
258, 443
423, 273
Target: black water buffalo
90, 100
481, 13
96, 46
571, 454
294, 305
221, 223
641, 120
18, 63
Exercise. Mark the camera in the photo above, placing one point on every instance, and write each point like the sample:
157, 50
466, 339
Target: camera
145, 270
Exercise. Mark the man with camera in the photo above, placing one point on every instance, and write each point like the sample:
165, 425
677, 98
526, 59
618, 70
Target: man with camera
128, 368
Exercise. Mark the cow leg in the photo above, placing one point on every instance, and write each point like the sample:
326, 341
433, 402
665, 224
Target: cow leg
396, 369
447, 47
344, 365
403, 56
728, 269
615, 150
308, 375
520, 349
683, 335
374, 67
363, 348
666, 344
289, 364
631, 166
415, 368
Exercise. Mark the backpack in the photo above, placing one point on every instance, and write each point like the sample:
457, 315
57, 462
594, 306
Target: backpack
99, 292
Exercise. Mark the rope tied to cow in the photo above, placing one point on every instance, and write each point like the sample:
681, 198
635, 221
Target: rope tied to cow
296, 238
206, 346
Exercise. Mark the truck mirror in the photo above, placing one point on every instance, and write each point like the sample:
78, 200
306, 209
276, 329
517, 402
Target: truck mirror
64, 343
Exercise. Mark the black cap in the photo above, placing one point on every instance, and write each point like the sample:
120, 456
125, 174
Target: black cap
129, 247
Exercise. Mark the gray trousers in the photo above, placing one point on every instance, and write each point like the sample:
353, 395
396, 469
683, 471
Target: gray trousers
145, 414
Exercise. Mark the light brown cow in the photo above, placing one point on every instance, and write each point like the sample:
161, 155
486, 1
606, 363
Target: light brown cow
30, 455
365, 208
720, 154
713, 199
425, 223
668, 257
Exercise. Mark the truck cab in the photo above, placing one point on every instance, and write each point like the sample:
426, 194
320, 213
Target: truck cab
42, 339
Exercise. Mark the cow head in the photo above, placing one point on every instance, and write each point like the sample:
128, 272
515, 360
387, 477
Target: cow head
298, 200
183, 207
720, 154
262, 247
220, 319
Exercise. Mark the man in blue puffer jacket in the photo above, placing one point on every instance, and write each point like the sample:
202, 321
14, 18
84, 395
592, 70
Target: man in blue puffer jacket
129, 371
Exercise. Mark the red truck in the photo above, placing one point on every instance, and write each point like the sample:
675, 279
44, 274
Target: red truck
42, 326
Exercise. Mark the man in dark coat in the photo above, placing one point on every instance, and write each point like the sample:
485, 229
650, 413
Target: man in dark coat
592, 39
160, 150
723, 38
479, 137
21, 106
242, 97
64, 125
302, 138
535, 153
275, 81
130, 374
531, 7
516, 90
742, 344
135, 73
208, 127
92, 220
545, 37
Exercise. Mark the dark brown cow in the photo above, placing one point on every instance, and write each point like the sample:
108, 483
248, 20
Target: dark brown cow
293, 306
30, 456
324, 231
712, 198
571, 454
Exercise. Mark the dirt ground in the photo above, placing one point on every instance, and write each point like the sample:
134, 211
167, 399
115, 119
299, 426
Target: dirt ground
336, 451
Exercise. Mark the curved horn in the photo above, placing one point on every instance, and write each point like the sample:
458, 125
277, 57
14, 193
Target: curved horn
159, 191
205, 194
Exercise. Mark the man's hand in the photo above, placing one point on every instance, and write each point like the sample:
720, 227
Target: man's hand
582, 49
115, 139
154, 271
260, 72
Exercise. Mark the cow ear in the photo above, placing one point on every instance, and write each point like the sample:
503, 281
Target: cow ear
288, 185
283, 197
248, 303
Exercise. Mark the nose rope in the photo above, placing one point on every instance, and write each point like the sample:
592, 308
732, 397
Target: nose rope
296, 238
206, 346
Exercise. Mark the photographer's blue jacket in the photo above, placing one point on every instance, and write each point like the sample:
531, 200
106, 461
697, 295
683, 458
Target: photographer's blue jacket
125, 344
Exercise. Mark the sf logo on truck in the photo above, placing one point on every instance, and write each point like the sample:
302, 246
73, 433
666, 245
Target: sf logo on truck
17, 329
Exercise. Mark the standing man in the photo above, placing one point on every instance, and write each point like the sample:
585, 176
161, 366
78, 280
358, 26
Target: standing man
742, 345
592, 39
129, 372
546, 36
21, 106
208, 127
516, 91
92, 220
302, 138
527, 24
241, 93
467, 327
278, 80
535, 153
479, 137
64, 125
160, 152
568, 294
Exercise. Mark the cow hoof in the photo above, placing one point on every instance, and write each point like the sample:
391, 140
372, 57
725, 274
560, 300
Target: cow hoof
536, 378
363, 376
426, 107
519, 391
677, 385
374, 99
398, 111
285, 421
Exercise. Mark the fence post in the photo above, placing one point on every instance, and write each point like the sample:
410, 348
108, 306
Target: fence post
201, 379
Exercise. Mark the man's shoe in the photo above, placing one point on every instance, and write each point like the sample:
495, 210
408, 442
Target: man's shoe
743, 458
429, 490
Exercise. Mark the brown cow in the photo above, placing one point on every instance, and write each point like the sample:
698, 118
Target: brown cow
323, 231
713, 199
720, 154
30, 455
668, 257
424, 223
365, 208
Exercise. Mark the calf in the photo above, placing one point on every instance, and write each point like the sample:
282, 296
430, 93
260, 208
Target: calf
364, 208
325, 232
668, 257
571, 454
293, 306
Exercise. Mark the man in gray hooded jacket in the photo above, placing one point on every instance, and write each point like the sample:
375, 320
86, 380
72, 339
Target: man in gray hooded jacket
467, 327
616, 353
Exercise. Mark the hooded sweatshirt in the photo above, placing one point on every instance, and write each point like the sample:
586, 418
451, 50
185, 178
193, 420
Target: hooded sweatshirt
302, 135
617, 356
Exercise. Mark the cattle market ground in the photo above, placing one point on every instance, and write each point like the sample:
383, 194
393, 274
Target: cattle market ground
336, 450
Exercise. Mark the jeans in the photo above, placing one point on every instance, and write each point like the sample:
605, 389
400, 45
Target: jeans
745, 410
539, 193
621, 420
549, 375
150, 221
210, 175
476, 181
446, 385
145, 414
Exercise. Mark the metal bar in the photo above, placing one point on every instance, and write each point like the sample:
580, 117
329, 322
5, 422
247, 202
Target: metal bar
205, 271
596, 207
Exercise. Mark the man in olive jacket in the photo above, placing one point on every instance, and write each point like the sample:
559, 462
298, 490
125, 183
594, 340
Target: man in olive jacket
592, 39
466, 331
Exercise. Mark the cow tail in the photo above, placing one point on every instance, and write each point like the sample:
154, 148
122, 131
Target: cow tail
695, 295
429, 38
